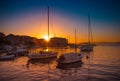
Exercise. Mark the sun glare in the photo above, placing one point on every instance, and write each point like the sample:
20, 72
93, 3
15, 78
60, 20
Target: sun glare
46, 38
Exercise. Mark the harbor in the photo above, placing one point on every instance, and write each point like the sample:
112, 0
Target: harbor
60, 40
101, 64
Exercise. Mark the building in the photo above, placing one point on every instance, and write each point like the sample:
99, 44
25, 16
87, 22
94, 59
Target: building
58, 42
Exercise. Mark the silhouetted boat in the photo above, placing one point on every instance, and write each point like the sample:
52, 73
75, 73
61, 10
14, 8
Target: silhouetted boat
19, 52
44, 54
70, 57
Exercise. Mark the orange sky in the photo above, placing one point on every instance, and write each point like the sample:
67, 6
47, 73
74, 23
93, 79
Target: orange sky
60, 26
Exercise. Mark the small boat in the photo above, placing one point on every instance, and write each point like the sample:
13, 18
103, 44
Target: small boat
7, 57
70, 57
43, 55
4, 55
19, 52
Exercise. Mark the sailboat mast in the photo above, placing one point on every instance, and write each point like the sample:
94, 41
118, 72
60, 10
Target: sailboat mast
89, 29
90, 35
75, 42
48, 22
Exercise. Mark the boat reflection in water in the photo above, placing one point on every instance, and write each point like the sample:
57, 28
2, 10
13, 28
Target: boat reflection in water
70, 65
40, 62
68, 72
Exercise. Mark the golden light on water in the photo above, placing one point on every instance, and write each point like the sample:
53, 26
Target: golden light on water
47, 49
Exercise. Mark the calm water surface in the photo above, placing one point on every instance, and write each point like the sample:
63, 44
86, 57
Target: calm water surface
103, 64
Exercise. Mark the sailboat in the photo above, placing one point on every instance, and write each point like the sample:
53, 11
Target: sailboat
44, 54
68, 58
89, 46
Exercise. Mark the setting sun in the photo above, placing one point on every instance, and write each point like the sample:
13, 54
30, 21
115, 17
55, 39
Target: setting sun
46, 38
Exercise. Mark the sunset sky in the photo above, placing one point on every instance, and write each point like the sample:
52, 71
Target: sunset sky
29, 17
